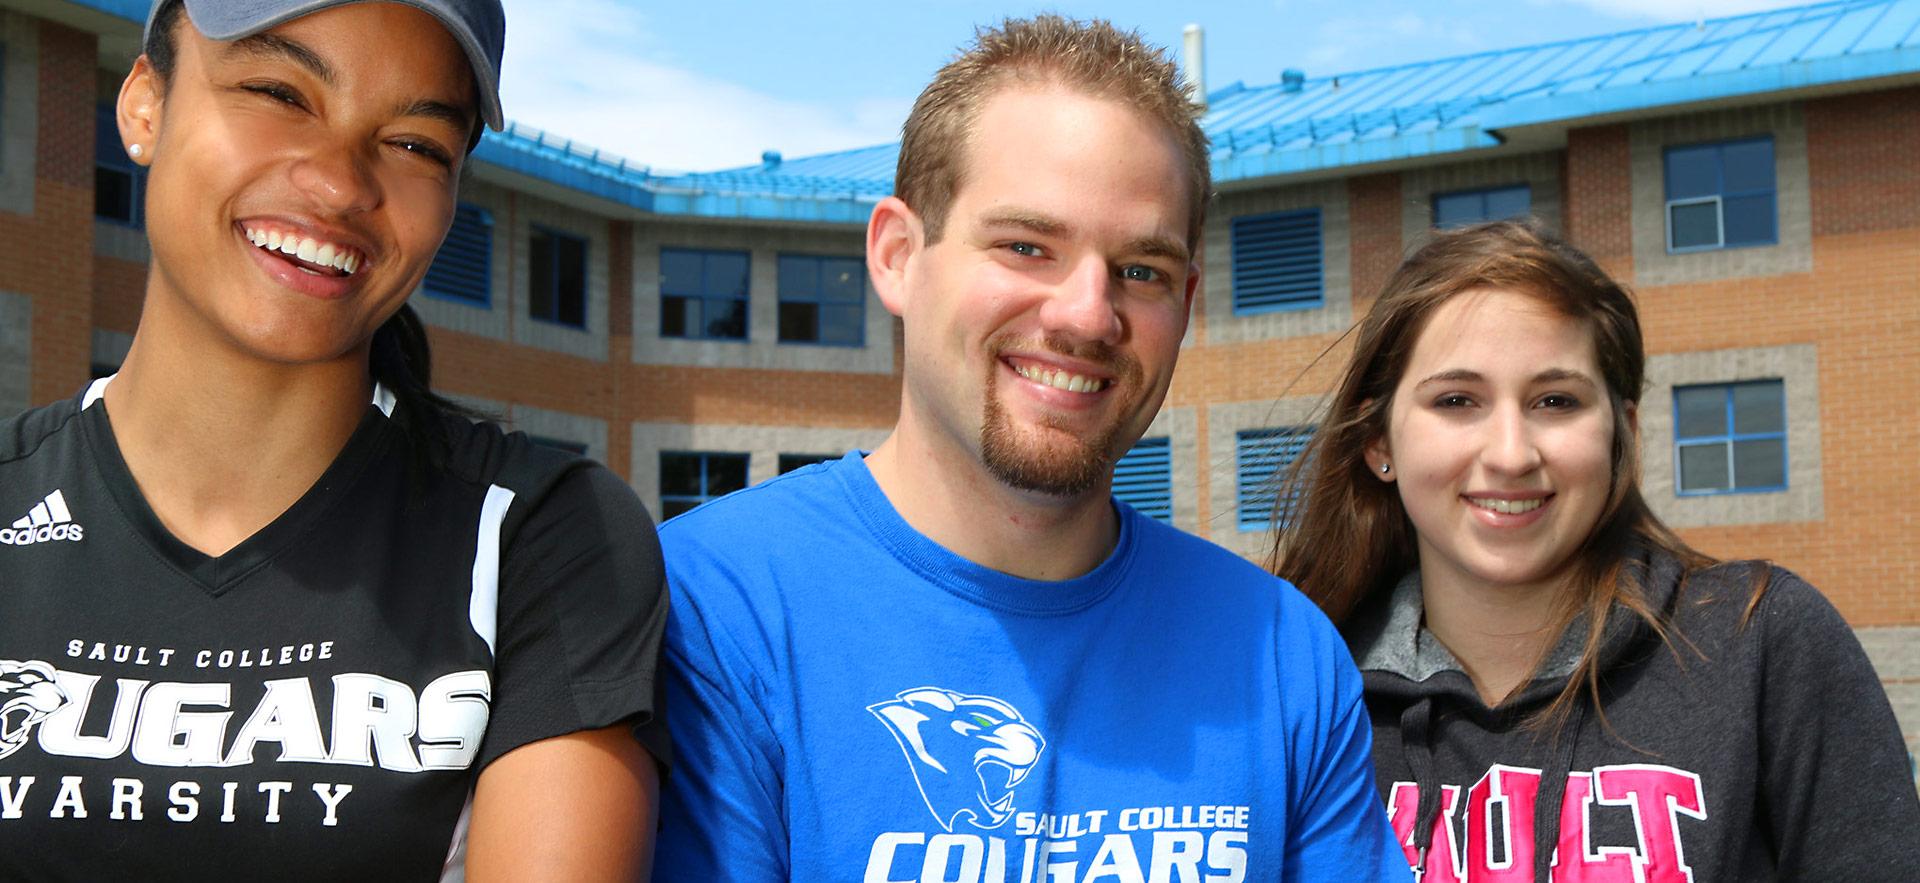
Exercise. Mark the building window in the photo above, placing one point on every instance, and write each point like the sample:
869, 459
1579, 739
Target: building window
1462, 207
1730, 437
1277, 262
119, 183
558, 444
790, 462
1263, 456
1720, 195
689, 479
462, 270
557, 278
823, 300
703, 294
1143, 479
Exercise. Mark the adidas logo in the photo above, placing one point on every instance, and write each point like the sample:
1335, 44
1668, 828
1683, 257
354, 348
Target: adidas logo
48, 521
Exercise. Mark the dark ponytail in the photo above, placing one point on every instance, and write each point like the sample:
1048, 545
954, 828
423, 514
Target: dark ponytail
402, 361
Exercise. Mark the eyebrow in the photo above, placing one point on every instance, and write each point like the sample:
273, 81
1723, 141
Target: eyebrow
1551, 375
458, 117
1159, 247
274, 46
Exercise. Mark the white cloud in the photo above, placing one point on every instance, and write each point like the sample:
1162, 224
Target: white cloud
1682, 10
591, 71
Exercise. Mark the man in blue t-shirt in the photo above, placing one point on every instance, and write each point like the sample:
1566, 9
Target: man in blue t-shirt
956, 658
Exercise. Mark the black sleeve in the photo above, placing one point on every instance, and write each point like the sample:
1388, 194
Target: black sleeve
583, 607
1838, 794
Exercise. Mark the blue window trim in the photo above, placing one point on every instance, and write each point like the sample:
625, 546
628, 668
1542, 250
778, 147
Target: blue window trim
1719, 198
1728, 438
473, 214
109, 155
1258, 484
706, 494
1251, 272
819, 298
1143, 478
1482, 193
586, 265
745, 297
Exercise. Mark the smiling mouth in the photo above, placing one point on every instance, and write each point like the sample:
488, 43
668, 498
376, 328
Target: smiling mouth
1507, 507
316, 256
1062, 379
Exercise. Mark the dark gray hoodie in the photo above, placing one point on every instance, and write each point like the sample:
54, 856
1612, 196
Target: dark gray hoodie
1741, 752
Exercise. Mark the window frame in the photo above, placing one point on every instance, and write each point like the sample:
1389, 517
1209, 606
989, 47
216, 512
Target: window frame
818, 299
1482, 193
745, 297
1729, 438
1157, 500
1239, 273
706, 494
1276, 511
1718, 198
586, 265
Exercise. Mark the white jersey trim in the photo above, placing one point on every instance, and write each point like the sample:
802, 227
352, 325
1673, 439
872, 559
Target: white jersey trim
484, 605
95, 390
455, 868
383, 399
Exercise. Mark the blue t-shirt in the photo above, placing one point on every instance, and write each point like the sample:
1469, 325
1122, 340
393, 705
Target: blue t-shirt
851, 701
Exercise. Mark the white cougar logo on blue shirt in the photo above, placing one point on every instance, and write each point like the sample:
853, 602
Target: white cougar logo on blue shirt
967, 752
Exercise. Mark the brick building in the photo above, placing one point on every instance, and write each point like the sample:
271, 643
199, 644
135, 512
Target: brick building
1754, 178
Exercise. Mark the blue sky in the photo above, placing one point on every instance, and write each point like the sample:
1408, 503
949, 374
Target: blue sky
710, 84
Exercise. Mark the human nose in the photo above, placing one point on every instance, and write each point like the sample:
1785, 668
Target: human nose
337, 180
1082, 305
1510, 447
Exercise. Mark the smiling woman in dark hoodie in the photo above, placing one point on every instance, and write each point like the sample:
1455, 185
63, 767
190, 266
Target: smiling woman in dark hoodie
1560, 688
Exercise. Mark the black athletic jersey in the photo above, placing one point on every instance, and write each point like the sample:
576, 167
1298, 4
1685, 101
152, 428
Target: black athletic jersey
317, 702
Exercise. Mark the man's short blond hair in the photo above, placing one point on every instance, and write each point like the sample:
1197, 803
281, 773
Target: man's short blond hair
1092, 57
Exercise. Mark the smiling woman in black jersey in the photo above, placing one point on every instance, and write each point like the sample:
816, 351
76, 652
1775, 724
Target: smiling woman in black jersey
305, 621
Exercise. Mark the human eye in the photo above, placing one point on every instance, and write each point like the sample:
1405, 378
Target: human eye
1025, 249
1452, 400
1141, 273
1558, 401
275, 91
424, 149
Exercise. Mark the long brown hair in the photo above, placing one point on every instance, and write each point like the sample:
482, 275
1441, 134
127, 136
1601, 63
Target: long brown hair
1343, 507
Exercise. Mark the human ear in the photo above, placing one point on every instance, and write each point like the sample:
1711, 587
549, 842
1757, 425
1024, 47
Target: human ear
1378, 456
1632, 410
138, 110
894, 236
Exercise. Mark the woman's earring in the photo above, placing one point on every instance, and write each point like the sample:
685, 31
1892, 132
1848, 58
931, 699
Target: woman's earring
1386, 468
134, 150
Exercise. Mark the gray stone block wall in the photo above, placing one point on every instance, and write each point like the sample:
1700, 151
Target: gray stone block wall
762, 348
19, 110
16, 353
1793, 253
1336, 310
110, 347
561, 425
1418, 186
112, 240
1224, 422
762, 444
1798, 367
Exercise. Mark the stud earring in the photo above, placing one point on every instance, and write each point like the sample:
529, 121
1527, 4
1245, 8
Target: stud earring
134, 150
1386, 468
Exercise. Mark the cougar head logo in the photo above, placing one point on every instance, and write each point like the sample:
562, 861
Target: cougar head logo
28, 693
967, 752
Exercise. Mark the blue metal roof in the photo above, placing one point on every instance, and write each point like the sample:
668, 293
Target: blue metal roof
1448, 106
1459, 103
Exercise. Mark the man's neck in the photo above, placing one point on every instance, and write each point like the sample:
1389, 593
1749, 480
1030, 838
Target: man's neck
219, 443
951, 498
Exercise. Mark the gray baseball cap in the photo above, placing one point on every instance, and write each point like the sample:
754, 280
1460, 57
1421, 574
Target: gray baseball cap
479, 26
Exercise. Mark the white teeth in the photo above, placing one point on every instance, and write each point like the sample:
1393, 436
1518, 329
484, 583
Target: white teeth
1508, 507
1061, 379
325, 254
